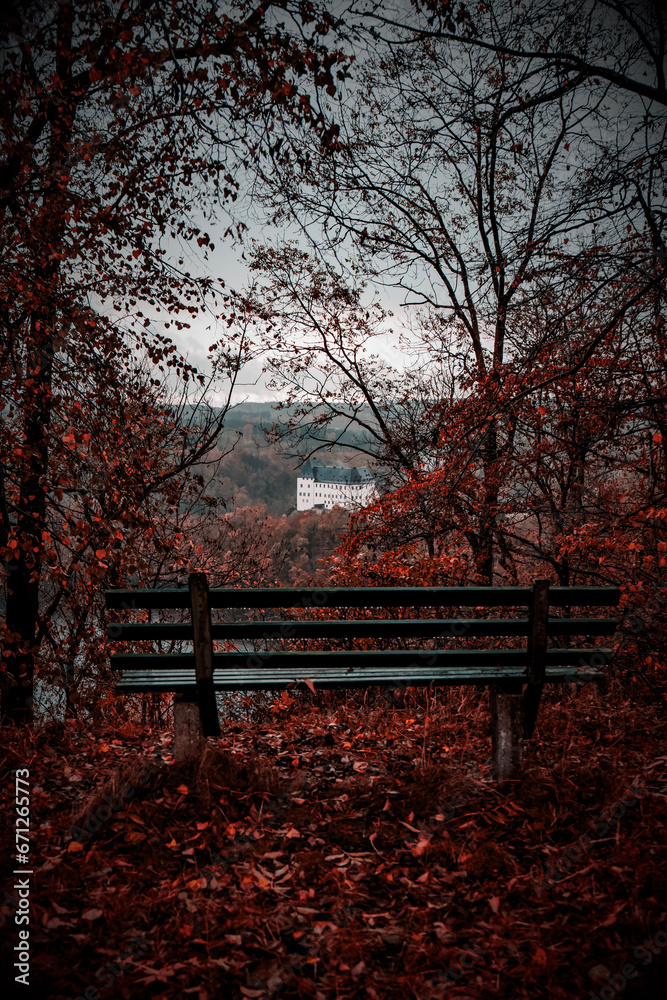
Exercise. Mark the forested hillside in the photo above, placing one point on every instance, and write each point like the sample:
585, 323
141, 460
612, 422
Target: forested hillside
259, 464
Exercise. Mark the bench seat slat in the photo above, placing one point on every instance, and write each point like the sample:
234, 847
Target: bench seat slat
405, 660
273, 678
388, 629
361, 597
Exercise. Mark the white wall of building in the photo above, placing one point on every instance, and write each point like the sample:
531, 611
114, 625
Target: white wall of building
304, 493
351, 495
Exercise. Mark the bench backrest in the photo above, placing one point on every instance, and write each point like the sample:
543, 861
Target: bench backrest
539, 599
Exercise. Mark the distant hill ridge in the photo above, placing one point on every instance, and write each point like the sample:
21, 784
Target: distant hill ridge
256, 472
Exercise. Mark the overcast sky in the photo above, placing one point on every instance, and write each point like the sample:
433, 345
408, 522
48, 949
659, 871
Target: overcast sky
226, 262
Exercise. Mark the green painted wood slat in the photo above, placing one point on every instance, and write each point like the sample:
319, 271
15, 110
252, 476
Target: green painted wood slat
358, 629
272, 679
406, 659
359, 597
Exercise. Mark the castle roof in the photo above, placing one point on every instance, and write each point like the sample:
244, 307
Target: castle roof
336, 474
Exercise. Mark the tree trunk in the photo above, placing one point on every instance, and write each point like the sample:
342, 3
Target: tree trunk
484, 548
47, 230
23, 572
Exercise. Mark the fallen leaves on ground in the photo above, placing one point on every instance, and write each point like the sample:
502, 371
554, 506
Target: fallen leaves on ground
387, 864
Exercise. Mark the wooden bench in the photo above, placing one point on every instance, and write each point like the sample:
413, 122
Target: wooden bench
515, 676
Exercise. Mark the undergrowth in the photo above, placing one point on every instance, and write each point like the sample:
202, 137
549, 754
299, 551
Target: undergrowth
340, 847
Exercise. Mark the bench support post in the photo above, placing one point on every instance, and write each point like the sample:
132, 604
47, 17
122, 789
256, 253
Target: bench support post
203, 651
538, 619
506, 729
188, 738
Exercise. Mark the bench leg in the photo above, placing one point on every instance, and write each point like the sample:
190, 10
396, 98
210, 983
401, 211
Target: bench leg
188, 738
506, 730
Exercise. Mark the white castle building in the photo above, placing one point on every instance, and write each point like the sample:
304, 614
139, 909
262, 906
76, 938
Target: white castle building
327, 486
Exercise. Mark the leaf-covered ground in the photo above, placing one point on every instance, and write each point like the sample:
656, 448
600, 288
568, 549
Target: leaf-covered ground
344, 850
